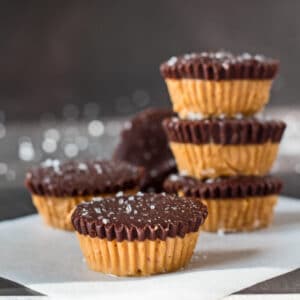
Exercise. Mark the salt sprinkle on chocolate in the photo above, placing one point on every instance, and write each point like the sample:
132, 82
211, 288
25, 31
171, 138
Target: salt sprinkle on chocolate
156, 209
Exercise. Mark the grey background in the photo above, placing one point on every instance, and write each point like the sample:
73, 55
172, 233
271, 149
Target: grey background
66, 63
58, 52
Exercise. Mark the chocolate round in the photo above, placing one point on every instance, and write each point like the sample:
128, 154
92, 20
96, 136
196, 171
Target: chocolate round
219, 66
89, 178
143, 143
223, 187
223, 131
139, 217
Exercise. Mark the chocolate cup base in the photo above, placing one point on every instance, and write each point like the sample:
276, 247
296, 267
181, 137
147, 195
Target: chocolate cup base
237, 215
214, 98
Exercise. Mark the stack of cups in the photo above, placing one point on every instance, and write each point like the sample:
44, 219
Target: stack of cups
223, 152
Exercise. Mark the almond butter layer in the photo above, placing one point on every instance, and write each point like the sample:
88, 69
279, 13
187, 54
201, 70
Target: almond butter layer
224, 147
213, 98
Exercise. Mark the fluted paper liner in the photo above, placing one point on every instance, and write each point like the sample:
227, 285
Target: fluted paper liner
55, 211
215, 160
137, 258
213, 98
244, 214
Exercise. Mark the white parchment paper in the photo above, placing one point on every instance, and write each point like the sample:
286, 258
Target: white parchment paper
51, 262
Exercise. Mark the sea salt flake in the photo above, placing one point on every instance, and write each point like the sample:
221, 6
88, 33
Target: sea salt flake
131, 198
172, 61
140, 194
209, 180
194, 116
50, 163
246, 56
82, 167
97, 199
98, 168
128, 209
121, 201
119, 194
225, 65
173, 177
97, 210
152, 206
105, 221
259, 57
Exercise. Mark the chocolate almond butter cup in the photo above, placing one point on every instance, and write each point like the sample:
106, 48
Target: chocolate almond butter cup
241, 203
56, 187
219, 83
143, 143
138, 235
224, 147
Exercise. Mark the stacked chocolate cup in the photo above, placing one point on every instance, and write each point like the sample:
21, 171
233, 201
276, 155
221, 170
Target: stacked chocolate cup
223, 152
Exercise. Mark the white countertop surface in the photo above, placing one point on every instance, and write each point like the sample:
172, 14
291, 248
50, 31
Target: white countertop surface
50, 261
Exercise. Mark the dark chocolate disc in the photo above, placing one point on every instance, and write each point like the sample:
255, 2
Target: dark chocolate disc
219, 66
139, 217
223, 187
89, 178
224, 131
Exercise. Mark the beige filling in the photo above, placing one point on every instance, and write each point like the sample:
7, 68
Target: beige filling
212, 98
56, 211
214, 160
243, 214
137, 258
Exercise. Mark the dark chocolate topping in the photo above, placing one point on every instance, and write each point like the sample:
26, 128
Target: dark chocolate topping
219, 66
139, 217
89, 178
224, 131
224, 187
144, 143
